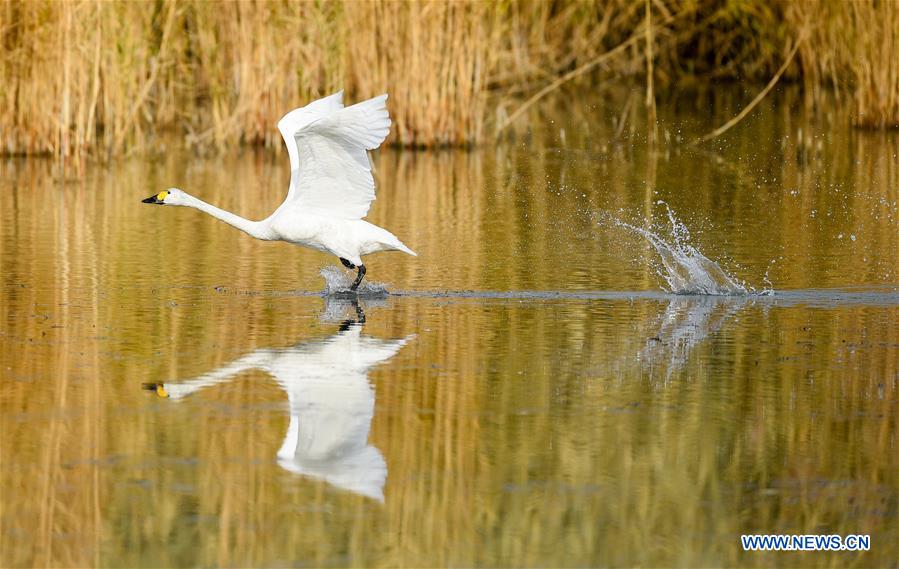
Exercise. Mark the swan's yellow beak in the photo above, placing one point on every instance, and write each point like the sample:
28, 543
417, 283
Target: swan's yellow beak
158, 199
157, 387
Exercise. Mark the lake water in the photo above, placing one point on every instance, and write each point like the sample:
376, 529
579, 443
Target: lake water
527, 395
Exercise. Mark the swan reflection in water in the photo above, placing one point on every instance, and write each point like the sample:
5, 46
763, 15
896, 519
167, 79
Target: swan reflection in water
331, 402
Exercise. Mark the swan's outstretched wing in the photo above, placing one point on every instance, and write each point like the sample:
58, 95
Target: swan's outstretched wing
298, 119
334, 175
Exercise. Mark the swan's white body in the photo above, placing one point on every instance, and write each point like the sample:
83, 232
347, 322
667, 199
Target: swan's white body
331, 404
331, 184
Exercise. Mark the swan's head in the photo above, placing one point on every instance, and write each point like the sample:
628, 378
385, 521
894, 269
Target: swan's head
171, 196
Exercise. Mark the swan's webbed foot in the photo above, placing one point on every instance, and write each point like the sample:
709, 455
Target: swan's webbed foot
359, 277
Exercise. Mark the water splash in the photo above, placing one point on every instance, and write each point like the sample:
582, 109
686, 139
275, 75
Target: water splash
683, 267
338, 282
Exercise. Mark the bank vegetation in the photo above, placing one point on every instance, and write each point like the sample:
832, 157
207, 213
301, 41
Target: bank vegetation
96, 78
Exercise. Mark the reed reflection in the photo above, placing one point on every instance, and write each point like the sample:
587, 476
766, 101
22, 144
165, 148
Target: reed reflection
330, 400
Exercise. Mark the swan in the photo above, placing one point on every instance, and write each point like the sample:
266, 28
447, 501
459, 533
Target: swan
331, 185
331, 404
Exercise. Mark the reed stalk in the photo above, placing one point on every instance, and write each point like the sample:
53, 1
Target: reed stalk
650, 88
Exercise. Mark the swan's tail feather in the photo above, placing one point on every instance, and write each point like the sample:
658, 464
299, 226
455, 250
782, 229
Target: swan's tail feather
384, 240
400, 247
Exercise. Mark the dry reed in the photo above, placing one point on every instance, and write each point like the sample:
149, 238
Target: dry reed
853, 48
92, 77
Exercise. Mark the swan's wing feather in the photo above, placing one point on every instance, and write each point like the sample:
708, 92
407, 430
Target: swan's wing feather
299, 118
334, 174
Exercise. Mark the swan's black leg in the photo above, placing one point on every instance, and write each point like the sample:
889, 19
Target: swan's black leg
358, 277
346, 263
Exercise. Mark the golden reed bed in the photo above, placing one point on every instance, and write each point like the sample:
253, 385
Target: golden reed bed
90, 77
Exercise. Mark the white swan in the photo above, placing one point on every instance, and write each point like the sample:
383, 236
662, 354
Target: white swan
331, 405
331, 186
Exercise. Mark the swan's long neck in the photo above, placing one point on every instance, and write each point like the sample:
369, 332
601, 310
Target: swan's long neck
257, 229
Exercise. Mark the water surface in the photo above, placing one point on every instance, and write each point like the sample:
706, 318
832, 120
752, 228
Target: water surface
527, 396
